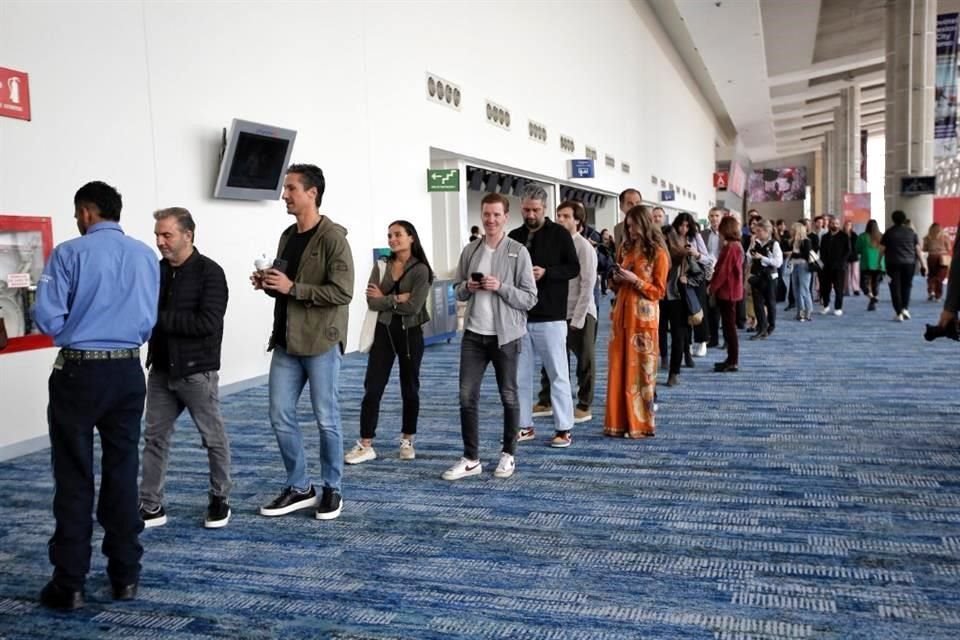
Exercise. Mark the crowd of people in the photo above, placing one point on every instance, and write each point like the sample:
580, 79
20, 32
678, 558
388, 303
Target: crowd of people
529, 290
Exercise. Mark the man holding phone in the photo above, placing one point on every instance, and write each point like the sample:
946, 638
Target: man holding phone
312, 282
495, 278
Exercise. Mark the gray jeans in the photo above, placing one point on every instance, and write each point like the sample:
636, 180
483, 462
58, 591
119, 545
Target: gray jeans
167, 397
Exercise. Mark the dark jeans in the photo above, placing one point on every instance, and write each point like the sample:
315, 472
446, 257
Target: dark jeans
581, 343
712, 312
833, 278
901, 282
764, 302
870, 283
108, 395
728, 312
407, 347
476, 352
673, 320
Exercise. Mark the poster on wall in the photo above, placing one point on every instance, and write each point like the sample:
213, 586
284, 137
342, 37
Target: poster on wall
945, 92
25, 245
738, 180
856, 209
14, 94
777, 185
946, 213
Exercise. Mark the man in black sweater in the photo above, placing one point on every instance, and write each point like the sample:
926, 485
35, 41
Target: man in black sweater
834, 249
555, 263
184, 358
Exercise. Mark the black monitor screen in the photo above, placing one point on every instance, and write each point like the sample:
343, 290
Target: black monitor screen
258, 162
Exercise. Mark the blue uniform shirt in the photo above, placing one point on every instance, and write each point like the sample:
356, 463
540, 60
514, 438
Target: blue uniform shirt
99, 291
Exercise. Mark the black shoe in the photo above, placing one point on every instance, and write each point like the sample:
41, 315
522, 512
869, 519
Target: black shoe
155, 518
218, 513
673, 380
719, 366
769, 330
331, 504
761, 335
53, 596
688, 360
873, 305
789, 307
751, 329
290, 500
730, 368
713, 345
124, 591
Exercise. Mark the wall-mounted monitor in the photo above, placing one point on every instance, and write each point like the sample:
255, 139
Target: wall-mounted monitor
254, 159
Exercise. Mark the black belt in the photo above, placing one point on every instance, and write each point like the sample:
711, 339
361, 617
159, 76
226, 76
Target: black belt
113, 354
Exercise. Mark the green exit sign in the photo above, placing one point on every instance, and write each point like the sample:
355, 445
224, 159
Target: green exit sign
443, 179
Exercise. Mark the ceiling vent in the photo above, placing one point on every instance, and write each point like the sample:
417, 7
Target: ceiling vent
537, 131
440, 91
566, 143
498, 116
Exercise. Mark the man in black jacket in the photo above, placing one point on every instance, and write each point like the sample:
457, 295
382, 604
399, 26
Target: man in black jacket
834, 249
555, 263
184, 358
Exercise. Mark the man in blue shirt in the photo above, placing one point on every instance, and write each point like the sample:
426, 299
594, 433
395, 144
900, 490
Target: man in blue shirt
97, 298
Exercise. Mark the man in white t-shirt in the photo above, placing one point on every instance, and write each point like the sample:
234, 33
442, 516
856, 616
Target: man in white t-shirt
495, 278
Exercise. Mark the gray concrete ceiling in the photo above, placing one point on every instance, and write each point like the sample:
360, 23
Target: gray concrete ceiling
778, 66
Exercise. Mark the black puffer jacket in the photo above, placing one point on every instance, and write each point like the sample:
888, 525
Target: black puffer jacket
193, 301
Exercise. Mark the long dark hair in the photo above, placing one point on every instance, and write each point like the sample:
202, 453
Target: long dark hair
692, 226
416, 249
873, 230
650, 237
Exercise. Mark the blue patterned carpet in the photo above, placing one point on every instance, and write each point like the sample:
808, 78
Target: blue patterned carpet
815, 494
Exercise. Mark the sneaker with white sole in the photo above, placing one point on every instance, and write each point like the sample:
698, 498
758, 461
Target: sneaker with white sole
542, 411
331, 505
218, 513
827, 309
561, 440
581, 415
407, 452
701, 351
463, 469
155, 518
506, 467
838, 312
360, 453
288, 501
526, 433
898, 318
906, 314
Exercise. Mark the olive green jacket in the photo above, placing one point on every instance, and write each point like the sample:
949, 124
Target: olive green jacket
318, 305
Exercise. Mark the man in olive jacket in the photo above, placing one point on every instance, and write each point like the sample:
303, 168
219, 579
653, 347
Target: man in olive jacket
312, 281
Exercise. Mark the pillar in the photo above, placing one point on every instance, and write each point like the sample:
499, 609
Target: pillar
910, 76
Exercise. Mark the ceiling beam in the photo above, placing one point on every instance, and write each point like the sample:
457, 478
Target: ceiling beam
873, 119
828, 88
799, 134
869, 95
829, 67
806, 121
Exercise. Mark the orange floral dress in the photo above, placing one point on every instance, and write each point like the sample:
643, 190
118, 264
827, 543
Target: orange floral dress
635, 347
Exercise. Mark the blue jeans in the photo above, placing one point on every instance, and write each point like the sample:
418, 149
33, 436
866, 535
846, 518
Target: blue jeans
800, 280
549, 341
288, 375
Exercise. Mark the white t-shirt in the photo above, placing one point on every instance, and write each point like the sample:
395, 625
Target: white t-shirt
481, 315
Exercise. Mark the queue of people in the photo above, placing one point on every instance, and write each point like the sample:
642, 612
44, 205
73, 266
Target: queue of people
528, 290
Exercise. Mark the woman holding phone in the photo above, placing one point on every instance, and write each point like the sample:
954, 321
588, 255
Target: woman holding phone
639, 279
399, 297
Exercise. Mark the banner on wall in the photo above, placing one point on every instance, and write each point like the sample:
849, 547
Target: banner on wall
945, 93
738, 179
946, 213
778, 185
856, 208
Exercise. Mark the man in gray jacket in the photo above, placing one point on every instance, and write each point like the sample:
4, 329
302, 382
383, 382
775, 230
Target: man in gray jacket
495, 277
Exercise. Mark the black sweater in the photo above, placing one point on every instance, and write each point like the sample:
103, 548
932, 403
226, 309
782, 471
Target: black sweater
551, 248
834, 249
193, 301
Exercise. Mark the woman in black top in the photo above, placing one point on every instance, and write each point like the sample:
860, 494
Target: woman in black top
901, 252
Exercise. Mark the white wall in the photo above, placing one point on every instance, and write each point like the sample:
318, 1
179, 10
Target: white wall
135, 93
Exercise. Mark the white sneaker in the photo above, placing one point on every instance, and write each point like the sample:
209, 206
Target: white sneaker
898, 317
827, 309
838, 312
526, 433
463, 469
906, 314
359, 454
701, 350
407, 452
506, 467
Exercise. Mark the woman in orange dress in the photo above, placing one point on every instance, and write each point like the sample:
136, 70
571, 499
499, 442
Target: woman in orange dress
639, 279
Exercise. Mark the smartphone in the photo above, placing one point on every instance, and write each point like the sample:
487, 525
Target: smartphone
476, 276
280, 265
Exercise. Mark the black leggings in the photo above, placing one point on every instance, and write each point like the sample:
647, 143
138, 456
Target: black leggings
388, 343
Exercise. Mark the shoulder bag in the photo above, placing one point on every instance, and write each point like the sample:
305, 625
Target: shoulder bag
369, 328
